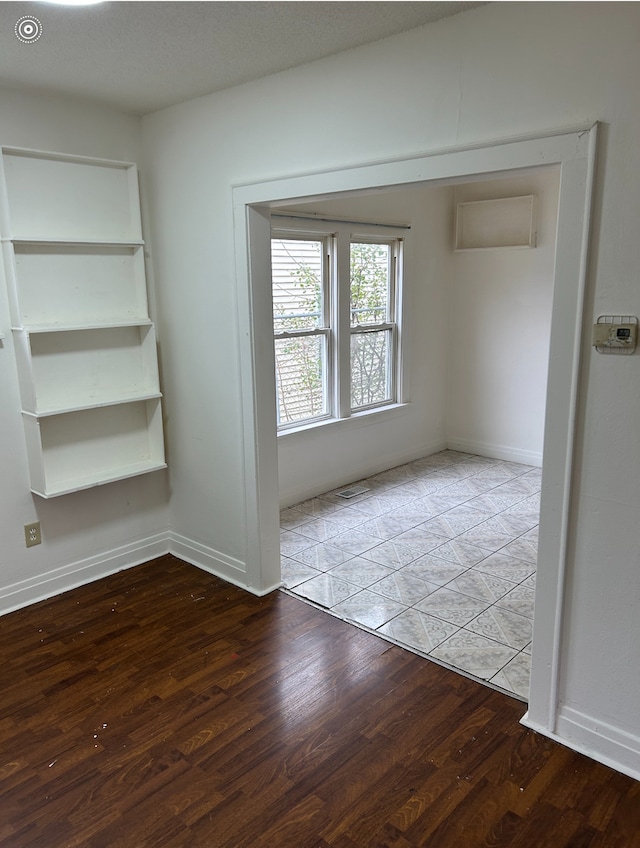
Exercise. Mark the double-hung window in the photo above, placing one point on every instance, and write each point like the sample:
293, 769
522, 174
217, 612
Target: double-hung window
336, 315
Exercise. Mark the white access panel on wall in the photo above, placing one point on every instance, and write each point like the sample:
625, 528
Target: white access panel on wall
85, 344
503, 222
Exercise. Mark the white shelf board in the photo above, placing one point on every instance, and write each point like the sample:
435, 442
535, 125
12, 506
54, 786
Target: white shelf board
117, 401
73, 242
71, 328
55, 156
78, 484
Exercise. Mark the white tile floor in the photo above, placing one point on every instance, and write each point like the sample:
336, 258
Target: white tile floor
439, 556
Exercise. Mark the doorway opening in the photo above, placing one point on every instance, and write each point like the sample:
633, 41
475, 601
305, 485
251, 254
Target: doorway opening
574, 153
439, 553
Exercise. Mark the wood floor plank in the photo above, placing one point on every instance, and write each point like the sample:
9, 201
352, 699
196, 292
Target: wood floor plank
163, 708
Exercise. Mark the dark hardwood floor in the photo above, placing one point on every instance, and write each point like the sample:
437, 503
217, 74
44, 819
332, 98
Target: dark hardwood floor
162, 707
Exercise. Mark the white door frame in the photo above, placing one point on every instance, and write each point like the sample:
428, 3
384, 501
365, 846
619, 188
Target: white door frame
574, 151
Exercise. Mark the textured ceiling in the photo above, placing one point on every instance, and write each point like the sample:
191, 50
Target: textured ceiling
143, 56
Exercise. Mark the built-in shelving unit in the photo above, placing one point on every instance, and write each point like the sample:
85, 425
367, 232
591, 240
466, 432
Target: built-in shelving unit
85, 344
504, 222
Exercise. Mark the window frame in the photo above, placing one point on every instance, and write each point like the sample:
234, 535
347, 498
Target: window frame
390, 325
337, 237
323, 331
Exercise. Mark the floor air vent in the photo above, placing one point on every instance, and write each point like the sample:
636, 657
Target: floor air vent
352, 491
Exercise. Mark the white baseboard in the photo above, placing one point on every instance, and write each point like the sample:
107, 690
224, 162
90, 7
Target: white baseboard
76, 574
496, 451
595, 739
208, 559
73, 575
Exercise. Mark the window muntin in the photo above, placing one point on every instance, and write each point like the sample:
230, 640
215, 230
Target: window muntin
335, 322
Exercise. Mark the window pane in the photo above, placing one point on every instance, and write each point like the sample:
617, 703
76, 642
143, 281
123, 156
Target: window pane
301, 365
370, 382
296, 273
369, 283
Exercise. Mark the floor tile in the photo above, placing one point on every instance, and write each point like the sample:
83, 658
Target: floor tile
521, 486
484, 587
324, 556
370, 507
428, 484
434, 570
316, 507
502, 499
520, 549
516, 467
512, 523
326, 590
294, 572
416, 511
396, 497
355, 541
451, 606
292, 543
497, 474
444, 500
320, 529
361, 572
399, 474
485, 504
506, 567
418, 630
485, 536
503, 626
369, 609
459, 519
515, 675
392, 553
520, 599
420, 539
291, 518
461, 553
385, 527
405, 588
348, 517
466, 488
474, 654
457, 471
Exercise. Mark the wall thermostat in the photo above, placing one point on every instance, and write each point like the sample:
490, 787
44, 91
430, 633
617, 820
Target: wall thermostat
615, 334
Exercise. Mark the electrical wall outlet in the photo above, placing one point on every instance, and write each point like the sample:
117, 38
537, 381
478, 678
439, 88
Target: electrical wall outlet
32, 534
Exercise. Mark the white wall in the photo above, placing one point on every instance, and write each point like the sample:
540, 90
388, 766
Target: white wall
499, 328
500, 70
87, 534
320, 459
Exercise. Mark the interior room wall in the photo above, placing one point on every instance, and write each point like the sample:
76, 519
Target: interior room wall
499, 327
90, 533
498, 71
314, 461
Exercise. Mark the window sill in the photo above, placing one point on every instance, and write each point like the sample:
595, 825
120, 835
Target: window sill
363, 419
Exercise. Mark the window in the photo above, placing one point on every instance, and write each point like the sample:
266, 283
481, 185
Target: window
336, 318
